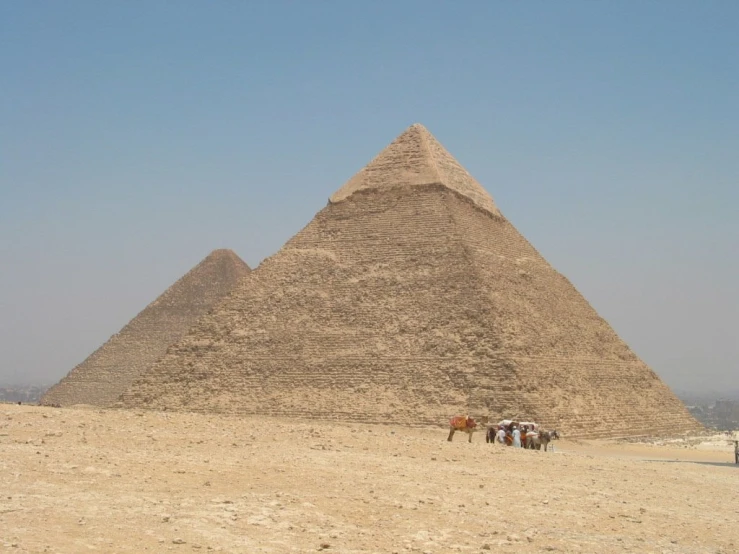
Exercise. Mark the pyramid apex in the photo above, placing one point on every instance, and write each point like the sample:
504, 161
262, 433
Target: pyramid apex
224, 255
222, 252
416, 158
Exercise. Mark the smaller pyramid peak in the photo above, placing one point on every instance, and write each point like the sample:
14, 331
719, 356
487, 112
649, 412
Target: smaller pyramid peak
221, 255
416, 158
222, 252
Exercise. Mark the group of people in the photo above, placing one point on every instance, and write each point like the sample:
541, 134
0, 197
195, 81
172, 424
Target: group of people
512, 433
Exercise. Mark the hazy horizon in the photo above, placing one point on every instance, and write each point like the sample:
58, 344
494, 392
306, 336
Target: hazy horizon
139, 137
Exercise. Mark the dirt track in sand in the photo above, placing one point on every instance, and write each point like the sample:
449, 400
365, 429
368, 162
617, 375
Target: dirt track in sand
88, 480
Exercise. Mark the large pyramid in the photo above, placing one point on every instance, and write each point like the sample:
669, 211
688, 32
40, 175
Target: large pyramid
101, 378
407, 299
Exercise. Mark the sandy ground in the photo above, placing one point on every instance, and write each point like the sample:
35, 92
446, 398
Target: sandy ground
87, 480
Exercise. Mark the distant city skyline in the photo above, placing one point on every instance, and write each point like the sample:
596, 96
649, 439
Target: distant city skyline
138, 137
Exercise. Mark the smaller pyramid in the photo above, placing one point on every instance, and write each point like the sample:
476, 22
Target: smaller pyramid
103, 376
416, 158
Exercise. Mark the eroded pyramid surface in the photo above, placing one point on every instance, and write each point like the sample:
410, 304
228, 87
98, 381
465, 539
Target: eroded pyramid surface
101, 378
408, 302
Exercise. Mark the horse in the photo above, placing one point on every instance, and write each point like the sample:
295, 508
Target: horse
545, 437
535, 439
531, 440
491, 433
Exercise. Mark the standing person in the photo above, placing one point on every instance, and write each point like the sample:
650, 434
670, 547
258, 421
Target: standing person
516, 437
736, 452
501, 435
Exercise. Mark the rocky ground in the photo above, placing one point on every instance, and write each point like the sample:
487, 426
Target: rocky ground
87, 480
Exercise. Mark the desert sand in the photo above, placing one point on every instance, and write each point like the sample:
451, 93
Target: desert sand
92, 480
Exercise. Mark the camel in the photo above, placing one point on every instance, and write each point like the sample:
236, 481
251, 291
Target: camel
465, 424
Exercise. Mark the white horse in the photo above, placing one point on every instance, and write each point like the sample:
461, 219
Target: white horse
535, 440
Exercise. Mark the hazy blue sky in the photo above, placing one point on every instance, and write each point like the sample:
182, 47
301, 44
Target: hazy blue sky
137, 136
